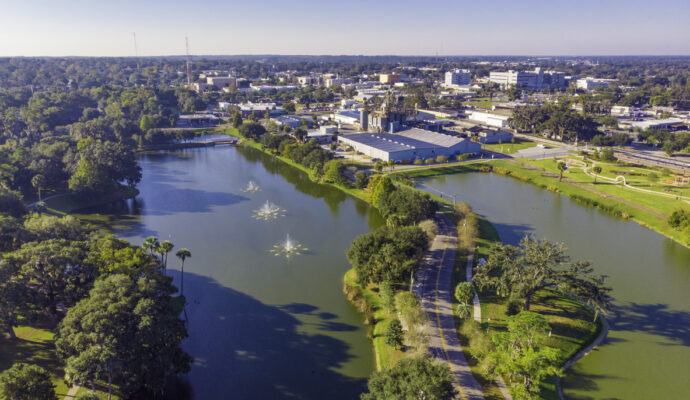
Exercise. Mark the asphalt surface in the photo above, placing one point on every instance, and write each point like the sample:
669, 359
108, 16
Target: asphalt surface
433, 287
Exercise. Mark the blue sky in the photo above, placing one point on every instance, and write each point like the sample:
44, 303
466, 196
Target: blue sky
446, 27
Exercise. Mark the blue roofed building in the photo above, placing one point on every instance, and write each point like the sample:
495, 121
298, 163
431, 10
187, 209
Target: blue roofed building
409, 144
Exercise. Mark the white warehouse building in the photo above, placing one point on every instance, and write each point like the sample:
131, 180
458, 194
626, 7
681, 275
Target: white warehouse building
409, 145
489, 119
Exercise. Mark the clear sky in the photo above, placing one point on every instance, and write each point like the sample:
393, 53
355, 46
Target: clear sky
420, 27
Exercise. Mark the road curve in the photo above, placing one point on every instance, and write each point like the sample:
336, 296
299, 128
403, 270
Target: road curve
432, 286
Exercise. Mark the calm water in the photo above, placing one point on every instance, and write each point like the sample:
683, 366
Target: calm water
647, 352
260, 326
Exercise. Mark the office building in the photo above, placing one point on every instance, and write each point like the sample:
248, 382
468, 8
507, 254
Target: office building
389, 79
458, 77
529, 80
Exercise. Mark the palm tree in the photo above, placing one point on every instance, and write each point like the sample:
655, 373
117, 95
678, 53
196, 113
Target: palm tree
183, 254
165, 247
150, 243
562, 167
38, 181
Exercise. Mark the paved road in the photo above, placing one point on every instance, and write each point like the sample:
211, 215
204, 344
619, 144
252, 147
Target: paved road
433, 287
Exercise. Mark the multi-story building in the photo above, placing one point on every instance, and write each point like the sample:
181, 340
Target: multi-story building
458, 77
590, 83
389, 79
529, 80
219, 82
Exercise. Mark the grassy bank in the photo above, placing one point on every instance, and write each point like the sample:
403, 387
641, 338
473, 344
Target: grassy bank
67, 203
376, 317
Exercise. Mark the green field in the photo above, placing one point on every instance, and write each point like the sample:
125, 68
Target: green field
510, 147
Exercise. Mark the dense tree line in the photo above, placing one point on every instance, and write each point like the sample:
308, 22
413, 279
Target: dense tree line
117, 319
558, 119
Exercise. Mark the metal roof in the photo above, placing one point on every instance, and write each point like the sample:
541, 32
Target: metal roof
430, 138
387, 141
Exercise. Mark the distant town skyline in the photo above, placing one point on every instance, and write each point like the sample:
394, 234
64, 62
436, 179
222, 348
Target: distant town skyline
310, 27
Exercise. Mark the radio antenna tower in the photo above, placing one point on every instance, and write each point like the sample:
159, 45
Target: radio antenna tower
189, 71
136, 50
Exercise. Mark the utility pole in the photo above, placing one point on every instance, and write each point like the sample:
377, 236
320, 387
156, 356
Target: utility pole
136, 50
189, 71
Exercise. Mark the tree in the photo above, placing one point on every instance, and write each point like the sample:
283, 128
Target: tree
679, 219
125, 333
407, 203
387, 253
387, 294
378, 166
411, 379
334, 172
562, 167
26, 382
361, 179
597, 170
464, 293
150, 243
236, 120
300, 134
395, 334
289, 107
252, 130
11, 296
519, 354
57, 271
38, 182
383, 187
183, 254
520, 271
163, 249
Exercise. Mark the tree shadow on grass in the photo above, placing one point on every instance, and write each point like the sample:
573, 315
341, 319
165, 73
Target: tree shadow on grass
246, 349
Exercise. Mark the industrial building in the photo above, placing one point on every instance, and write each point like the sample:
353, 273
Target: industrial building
259, 109
489, 137
219, 82
489, 119
458, 77
409, 144
346, 117
529, 80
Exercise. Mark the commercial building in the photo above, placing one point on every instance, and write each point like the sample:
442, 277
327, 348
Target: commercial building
489, 136
259, 109
197, 120
346, 117
654, 124
529, 80
489, 119
219, 82
590, 83
277, 88
458, 77
292, 122
389, 79
409, 144
338, 81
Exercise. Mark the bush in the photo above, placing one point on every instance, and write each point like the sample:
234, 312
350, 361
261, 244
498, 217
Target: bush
361, 180
429, 227
418, 161
441, 159
394, 334
653, 177
679, 219
429, 161
514, 306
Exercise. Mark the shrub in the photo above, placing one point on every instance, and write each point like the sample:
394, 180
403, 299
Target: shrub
429, 227
679, 219
464, 293
418, 161
441, 159
429, 161
514, 306
361, 180
394, 334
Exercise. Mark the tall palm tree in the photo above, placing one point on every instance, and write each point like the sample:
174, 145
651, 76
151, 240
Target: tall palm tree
183, 254
150, 243
165, 247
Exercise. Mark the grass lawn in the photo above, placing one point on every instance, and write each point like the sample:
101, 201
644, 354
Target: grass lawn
510, 147
63, 205
33, 346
